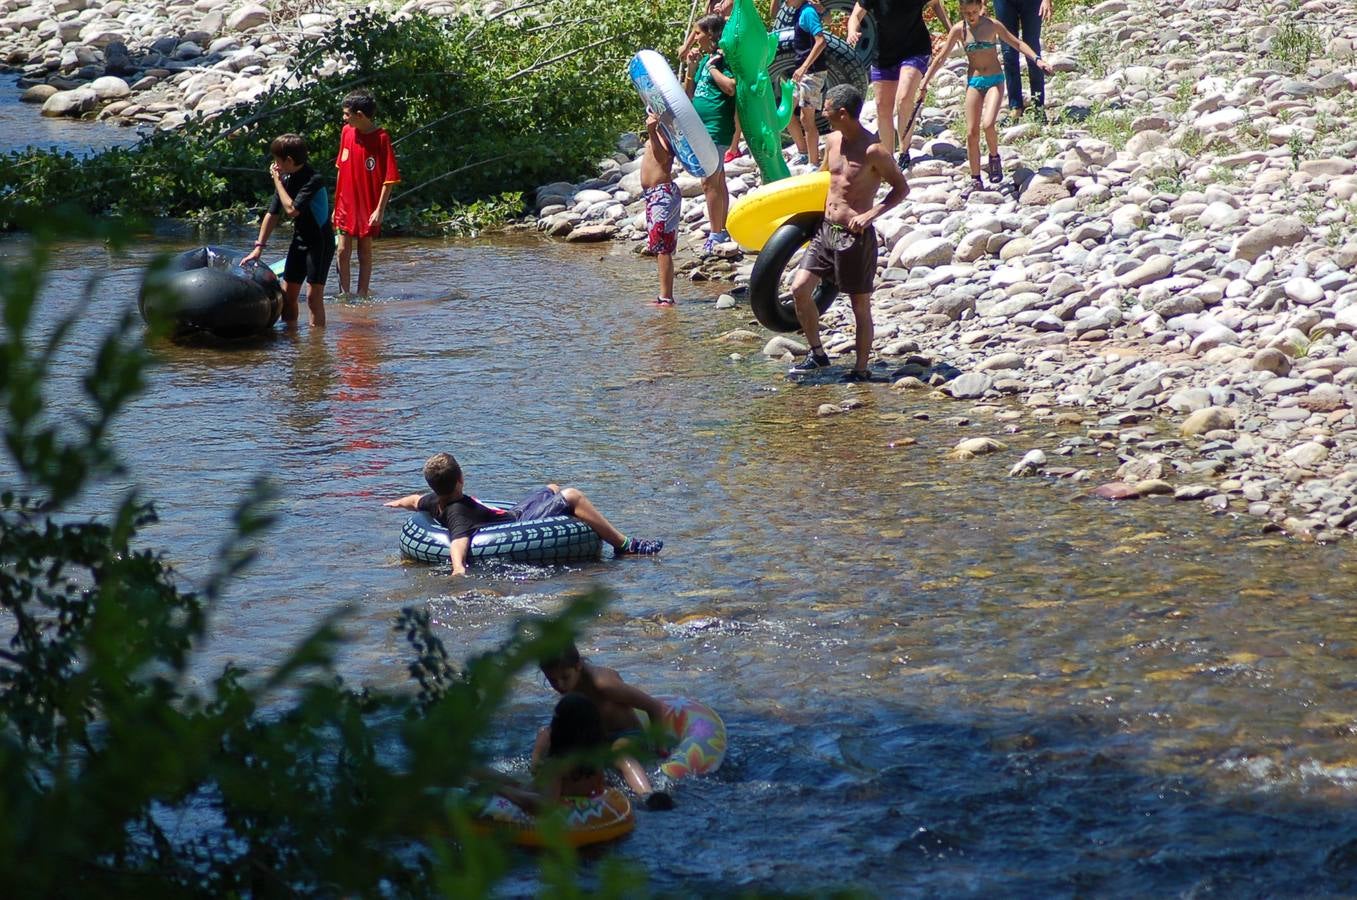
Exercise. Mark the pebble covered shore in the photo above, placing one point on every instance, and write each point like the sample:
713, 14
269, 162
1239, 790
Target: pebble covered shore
1168, 265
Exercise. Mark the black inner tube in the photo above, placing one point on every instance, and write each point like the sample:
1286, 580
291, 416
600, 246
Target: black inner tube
774, 309
844, 66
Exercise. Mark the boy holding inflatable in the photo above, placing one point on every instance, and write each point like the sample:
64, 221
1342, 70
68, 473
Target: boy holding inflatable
711, 85
844, 249
663, 205
299, 193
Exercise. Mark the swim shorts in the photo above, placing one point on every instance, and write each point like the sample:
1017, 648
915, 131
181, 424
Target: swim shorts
810, 90
892, 72
985, 82
540, 504
849, 259
309, 261
663, 202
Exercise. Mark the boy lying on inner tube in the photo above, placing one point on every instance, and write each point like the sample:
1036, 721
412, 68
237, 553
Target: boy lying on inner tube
462, 514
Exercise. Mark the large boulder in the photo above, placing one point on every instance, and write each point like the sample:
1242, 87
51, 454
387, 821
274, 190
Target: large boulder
1283, 231
70, 103
109, 87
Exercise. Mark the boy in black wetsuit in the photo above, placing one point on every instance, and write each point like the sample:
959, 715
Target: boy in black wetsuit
461, 515
300, 194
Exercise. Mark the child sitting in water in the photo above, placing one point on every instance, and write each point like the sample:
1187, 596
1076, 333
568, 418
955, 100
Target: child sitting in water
663, 204
985, 81
617, 703
576, 729
461, 514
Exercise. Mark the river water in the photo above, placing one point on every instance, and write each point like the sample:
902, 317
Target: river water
937, 679
22, 125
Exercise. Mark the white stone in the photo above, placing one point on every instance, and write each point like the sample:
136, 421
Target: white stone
251, 15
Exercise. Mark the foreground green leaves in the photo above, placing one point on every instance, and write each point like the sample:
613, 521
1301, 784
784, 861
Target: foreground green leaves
125, 769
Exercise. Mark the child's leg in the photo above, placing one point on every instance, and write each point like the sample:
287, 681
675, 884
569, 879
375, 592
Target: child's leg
974, 99
291, 290
582, 509
364, 265
994, 99
665, 262
798, 134
804, 284
315, 300
907, 96
541, 745
812, 135
343, 256
718, 200
862, 316
885, 111
633, 774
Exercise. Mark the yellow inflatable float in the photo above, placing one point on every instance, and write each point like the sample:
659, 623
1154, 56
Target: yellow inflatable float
588, 820
754, 217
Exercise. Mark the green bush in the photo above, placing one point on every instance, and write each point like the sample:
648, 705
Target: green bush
477, 107
299, 784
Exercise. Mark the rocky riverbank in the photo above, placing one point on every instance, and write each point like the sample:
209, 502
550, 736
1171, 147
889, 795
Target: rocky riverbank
1169, 263
156, 63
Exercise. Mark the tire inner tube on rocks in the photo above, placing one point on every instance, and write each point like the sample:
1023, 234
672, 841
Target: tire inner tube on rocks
661, 91
207, 292
829, 9
843, 66
555, 539
774, 309
588, 820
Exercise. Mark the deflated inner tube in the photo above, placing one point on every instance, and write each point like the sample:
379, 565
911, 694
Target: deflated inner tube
774, 309
207, 291
844, 66
834, 14
555, 539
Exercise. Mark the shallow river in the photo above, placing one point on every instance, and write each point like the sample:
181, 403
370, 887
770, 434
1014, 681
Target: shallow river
937, 679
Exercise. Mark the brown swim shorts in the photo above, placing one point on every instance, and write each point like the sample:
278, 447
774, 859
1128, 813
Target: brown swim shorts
848, 259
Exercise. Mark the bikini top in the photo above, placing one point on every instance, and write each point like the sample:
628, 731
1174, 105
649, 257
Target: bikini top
977, 46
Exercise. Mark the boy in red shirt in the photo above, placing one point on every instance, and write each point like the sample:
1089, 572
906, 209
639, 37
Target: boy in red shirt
367, 170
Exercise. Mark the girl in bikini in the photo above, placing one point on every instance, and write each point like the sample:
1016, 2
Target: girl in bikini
980, 36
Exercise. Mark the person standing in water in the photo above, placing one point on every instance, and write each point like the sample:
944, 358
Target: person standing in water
844, 248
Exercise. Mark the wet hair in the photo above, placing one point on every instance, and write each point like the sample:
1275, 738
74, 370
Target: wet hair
576, 726
568, 658
442, 473
360, 102
712, 26
289, 146
845, 97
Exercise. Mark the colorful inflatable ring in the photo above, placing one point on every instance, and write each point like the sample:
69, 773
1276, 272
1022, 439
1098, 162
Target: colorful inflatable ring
555, 539
661, 91
755, 216
588, 820
697, 738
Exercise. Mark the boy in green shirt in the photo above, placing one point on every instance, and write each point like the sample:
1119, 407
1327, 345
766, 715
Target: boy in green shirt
711, 84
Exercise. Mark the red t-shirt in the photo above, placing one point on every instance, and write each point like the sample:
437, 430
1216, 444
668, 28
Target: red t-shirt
366, 162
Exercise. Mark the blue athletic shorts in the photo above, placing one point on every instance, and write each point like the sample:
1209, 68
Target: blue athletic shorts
541, 504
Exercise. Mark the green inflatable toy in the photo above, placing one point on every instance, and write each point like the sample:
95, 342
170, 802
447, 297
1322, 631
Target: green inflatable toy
748, 49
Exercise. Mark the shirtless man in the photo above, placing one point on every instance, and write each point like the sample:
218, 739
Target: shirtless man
845, 246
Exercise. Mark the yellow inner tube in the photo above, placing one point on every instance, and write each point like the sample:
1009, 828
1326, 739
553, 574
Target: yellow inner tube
588, 820
754, 217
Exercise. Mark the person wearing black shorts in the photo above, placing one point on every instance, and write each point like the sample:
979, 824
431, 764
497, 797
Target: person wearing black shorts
845, 246
301, 195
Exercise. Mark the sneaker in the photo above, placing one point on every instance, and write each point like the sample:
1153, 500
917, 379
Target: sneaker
857, 376
664, 301
732, 154
801, 160
975, 185
812, 362
640, 547
714, 240
996, 169
903, 160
